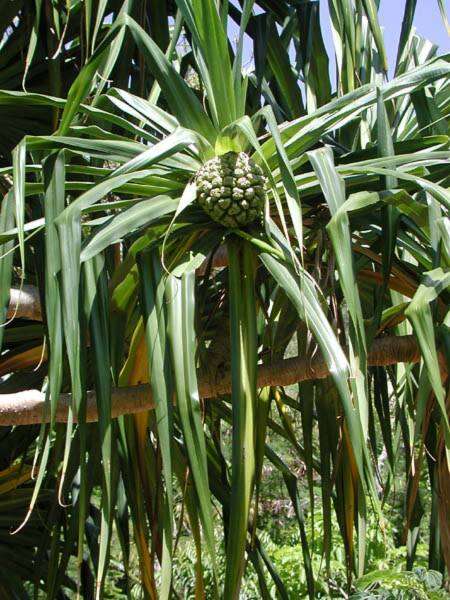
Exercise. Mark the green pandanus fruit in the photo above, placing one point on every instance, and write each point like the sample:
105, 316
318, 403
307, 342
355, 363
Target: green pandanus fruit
232, 189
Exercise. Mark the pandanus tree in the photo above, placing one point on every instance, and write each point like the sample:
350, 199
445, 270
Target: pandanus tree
181, 237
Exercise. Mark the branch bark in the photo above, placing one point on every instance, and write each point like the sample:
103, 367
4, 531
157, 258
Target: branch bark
26, 303
28, 407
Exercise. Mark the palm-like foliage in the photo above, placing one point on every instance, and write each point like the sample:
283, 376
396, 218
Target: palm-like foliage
354, 243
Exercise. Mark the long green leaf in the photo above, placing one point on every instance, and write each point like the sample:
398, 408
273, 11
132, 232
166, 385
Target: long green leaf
243, 395
96, 308
155, 319
181, 306
6, 260
211, 46
420, 314
303, 296
136, 217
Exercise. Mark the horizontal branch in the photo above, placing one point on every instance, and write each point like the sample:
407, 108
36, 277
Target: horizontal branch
25, 303
27, 407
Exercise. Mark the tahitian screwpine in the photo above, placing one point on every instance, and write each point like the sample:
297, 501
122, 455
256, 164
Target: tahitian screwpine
232, 189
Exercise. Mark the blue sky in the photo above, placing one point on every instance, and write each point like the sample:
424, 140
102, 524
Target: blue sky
427, 21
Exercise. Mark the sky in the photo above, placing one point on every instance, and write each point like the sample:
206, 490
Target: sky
427, 21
